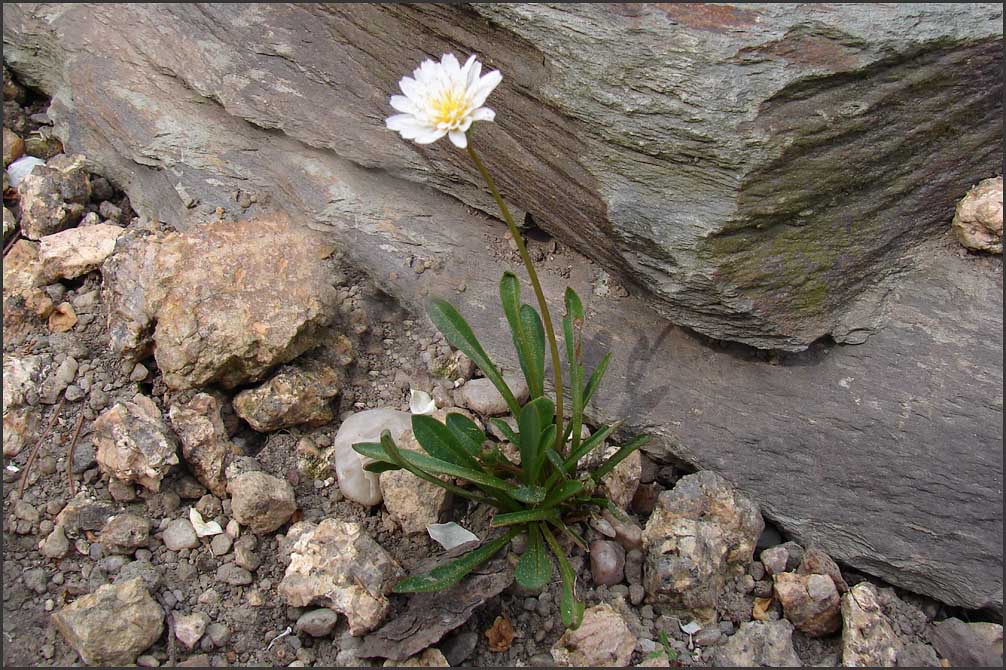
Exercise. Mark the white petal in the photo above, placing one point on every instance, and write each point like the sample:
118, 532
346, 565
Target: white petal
403, 104
483, 114
451, 535
203, 528
450, 63
690, 628
485, 86
406, 123
411, 88
465, 125
430, 136
420, 402
473, 75
459, 138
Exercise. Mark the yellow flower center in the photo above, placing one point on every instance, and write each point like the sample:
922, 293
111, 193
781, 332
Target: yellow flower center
449, 108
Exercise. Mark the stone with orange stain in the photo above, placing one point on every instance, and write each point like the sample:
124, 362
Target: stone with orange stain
500, 634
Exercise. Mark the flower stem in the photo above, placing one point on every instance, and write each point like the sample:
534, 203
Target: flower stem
536, 285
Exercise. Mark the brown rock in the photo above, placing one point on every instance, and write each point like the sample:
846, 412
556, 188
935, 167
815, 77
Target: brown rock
53, 196
62, 318
816, 562
72, 253
24, 302
338, 565
810, 602
968, 645
602, 640
480, 396
189, 628
260, 501
430, 658
124, 533
759, 644
412, 502
297, 394
113, 625
13, 147
133, 444
206, 446
978, 219
607, 562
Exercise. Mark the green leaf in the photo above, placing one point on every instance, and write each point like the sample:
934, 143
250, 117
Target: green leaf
534, 418
469, 435
531, 495
554, 458
534, 569
595, 378
524, 516
595, 440
507, 431
429, 464
618, 457
574, 308
457, 331
564, 491
439, 442
381, 466
532, 359
570, 608
452, 573
534, 331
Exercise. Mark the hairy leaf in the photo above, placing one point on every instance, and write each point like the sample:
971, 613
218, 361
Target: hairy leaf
530, 495
524, 516
563, 492
534, 568
531, 363
457, 331
570, 608
469, 435
381, 466
595, 379
454, 572
534, 331
507, 431
534, 418
429, 464
440, 442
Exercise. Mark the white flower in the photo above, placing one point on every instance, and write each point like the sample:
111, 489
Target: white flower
443, 99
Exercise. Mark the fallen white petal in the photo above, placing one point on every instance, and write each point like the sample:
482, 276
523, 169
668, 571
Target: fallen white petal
450, 534
21, 168
203, 528
691, 628
420, 402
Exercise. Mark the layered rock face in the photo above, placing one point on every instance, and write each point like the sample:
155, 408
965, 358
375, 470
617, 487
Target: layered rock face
753, 169
754, 173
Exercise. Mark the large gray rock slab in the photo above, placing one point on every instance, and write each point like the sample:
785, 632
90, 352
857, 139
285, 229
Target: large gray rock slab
888, 455
752, 167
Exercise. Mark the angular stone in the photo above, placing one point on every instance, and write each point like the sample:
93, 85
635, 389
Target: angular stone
53, 196
759, 644
55, 545
260, 501
978, 219
602, 640
133, 443
413, 503
299, 394
113, 625
867, 637
968, 645
235, 575
124, 533
21, 376
84, 513
338, 565
206, 447
13, 147
24, 302
810, 602
189, 628
815, 561
356, 483
701, 531
9, 223
72, 253
481, 397
774, 559
429, 658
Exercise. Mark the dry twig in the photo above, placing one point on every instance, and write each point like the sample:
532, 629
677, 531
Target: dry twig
70, 452
38, 445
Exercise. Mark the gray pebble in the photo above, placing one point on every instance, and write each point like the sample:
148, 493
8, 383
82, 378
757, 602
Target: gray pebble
180, 535
317, 623
233, 575
220, 544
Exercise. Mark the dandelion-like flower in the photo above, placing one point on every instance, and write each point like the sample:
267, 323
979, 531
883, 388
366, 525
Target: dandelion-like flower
443, 99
